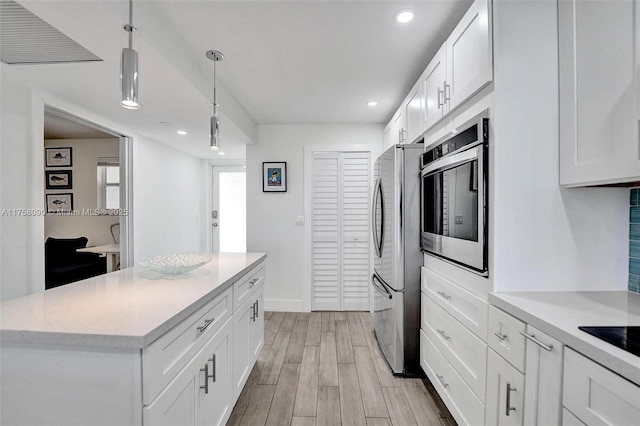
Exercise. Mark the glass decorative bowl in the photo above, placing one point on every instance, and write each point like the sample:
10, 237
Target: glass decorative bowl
175, 264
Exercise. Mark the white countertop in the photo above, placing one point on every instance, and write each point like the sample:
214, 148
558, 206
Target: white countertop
559, 314
125, 309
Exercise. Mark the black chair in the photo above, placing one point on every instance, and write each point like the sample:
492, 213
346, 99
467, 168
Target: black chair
64, 265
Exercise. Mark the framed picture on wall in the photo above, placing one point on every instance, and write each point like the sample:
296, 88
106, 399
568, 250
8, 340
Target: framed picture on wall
58, 179
58, 157
59, 203
274, 177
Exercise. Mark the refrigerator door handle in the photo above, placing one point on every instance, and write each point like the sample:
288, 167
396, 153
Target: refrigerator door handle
377, 192
381, 288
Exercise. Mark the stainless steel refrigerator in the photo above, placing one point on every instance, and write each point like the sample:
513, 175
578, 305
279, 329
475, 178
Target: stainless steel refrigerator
396, 238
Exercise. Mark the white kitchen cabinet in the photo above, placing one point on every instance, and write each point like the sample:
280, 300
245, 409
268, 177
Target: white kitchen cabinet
462, 66
505, 392
543, 379
388, 138
412, 106
201, 392
599, 106
596, 395
256, 327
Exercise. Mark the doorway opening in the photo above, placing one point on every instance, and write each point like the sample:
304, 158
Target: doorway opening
87, 199
229, 209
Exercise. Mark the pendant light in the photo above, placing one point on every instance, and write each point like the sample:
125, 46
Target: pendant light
214, 122
129, 68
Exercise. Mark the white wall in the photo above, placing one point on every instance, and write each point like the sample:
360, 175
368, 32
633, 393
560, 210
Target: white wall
271, 226
85, 192
168, 188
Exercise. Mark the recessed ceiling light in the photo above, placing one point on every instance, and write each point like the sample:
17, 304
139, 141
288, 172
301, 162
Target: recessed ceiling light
372, 103
181, 132
404, 16
221, 153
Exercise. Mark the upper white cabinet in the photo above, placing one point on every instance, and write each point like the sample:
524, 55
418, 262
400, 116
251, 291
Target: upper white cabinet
462, 66
412, 120
598, 92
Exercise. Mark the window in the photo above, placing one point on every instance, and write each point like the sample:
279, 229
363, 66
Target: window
108, 183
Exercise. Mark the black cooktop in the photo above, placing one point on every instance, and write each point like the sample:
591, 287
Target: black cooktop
626, 338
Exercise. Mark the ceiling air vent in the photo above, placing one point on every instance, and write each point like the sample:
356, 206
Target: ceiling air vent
27, 39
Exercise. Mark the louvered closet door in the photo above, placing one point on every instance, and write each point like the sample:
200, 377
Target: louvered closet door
340, 223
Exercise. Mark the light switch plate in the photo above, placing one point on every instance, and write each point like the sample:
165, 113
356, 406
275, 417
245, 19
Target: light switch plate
299, 220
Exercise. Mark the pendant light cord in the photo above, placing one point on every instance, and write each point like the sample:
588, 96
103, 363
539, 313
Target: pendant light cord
214, 86
130, 27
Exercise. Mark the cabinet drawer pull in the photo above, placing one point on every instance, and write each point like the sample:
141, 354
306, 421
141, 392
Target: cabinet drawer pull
500, 336
257, 308
253, 281
442, 382
509, 408
253, 312
206, 378
206, 325
213, 371
532, 337
444, 295
443, 334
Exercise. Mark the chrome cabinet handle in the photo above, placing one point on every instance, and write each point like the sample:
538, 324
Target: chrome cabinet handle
253, 312
212, 360
404, 134
442, 382
206, 325
500, 336
443, 334
509, 408
206, 378
257, 308
253, 281
440, 96
532, 337
444, 295
447, 92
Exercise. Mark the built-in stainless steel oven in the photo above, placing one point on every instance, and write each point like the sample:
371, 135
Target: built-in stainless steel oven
454, 196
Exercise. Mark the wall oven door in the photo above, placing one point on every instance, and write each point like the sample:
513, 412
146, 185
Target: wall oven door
454, 207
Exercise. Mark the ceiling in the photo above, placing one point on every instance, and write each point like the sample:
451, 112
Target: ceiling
286, 62
57, 127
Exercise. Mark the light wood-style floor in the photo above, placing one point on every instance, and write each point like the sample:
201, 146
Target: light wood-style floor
325, 368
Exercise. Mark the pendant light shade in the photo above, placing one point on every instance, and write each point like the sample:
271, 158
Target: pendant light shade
214, 121
129, 69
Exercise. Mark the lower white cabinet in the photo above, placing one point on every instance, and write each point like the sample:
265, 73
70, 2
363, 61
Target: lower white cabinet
543, 379
596, 395
505, 392
201, 393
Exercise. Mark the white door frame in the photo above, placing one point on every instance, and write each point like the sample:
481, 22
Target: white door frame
38, 106
308, 210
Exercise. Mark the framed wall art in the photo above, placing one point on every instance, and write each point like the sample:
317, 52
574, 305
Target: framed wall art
274, 177
58, 179
58, 157
59, 203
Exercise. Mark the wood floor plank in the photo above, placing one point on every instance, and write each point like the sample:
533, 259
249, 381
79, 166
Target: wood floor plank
245, 395
273, 364
328, 321
314, 330
340, 316
258, 409
307, 390
303, 316
367, 321
422, 405
328, 406
296, 344
236, 420
443, 411
378, 422
328, 369
374, 404
351, 407
303, 421
289, 321
399, 409
267, 315
385, 375
284, 397
355, 329
343, 343
272, 328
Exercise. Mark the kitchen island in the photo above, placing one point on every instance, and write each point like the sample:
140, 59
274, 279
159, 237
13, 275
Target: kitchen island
134, 347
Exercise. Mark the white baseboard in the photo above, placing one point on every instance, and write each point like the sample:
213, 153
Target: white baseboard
283, 305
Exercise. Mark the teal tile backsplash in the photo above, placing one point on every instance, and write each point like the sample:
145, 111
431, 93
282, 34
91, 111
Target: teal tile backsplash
634, 240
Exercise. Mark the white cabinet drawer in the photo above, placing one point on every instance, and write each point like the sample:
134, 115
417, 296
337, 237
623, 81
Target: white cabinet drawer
466, 353
465, 406
569, 419
244, 286
165, 357
464, 306
504, 337
596, 395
